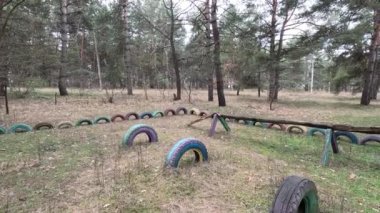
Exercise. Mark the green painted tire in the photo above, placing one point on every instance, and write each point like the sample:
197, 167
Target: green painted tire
2, 130
296, 194
102, 118
81, 122
18, 128
157, 114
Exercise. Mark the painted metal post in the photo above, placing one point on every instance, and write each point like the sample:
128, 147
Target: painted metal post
224, 123
327, 147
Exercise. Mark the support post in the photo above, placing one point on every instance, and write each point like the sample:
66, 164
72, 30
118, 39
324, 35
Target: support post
327, 147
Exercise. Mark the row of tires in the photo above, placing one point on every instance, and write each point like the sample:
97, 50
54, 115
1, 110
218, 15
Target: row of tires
21, 127
296, 194
293, 129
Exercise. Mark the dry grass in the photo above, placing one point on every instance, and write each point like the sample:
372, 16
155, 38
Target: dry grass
86, 170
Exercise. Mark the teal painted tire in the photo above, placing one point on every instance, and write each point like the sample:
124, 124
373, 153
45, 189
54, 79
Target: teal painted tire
83, 122
20, 128
137, 129
65, 125
157, 114
181, 147
145, 115
351, 136
98, 120
296, 194
313, 131
2, 130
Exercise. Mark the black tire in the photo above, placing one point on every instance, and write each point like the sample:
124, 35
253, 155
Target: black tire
113, 119
349, 135
203, 114
168, 111
295, 195
43, 125
181, 109
146, 115
132, 114
295, 130
370, 138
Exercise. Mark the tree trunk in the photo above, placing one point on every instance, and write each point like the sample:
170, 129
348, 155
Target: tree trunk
64, 39
376, 78
173, 50
272, 55
259, 84
208, 62
98, 62
127, 49
217, 63
369, 72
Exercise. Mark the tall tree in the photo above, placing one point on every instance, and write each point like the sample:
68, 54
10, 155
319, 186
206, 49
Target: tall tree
208, 62
127, 48
217, 63
64, 46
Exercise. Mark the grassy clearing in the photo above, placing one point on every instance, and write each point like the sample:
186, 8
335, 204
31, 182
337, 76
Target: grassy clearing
85, 168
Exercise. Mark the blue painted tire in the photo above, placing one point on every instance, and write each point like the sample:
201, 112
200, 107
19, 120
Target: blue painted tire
82, 122
157, 114
181, 147
137, 129
313, 131
146, 115
17, 128
132, 114
181, 109
2, 130
101, 118
349, 135
370, 138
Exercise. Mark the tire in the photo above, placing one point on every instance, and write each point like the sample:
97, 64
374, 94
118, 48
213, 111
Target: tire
181, 147
146, 114
249, 123
43, 125
65, 125
20, 128
370, 138
132, 114
113, 119
313, 131
181, 109
157, 114
81, 122
291, 130
282, 126
2, 130
203, 114
137, 129
296, 194
349, 135
168, 111
195, 111
102, 118
262, 124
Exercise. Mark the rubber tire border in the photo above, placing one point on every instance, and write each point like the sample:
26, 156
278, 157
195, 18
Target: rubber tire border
156, 113
194, 111
137, 129
144, 114
167, 111
80, 122
113, 118
292, 192
65, 125
102, 118
3, 130
290, 130
354, 139
181, 109
282, 126
128, 115
43, 124
23, 126
374, 138
311, 131
181, 147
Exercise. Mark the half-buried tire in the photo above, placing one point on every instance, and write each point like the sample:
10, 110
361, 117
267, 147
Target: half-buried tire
195, 111
102, 120
352, 137
181, 109
157, 114
43, 125
282, 127
295, 130
296, 194
132, 114
65, 125
168, 112
313, 131
203, 114
181, 147
2, 130
146, 115
137, 129
115, 117
370, 138
83, 122
20, 128
262, 124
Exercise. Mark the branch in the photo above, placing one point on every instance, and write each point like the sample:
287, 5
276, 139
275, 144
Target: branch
2, 32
